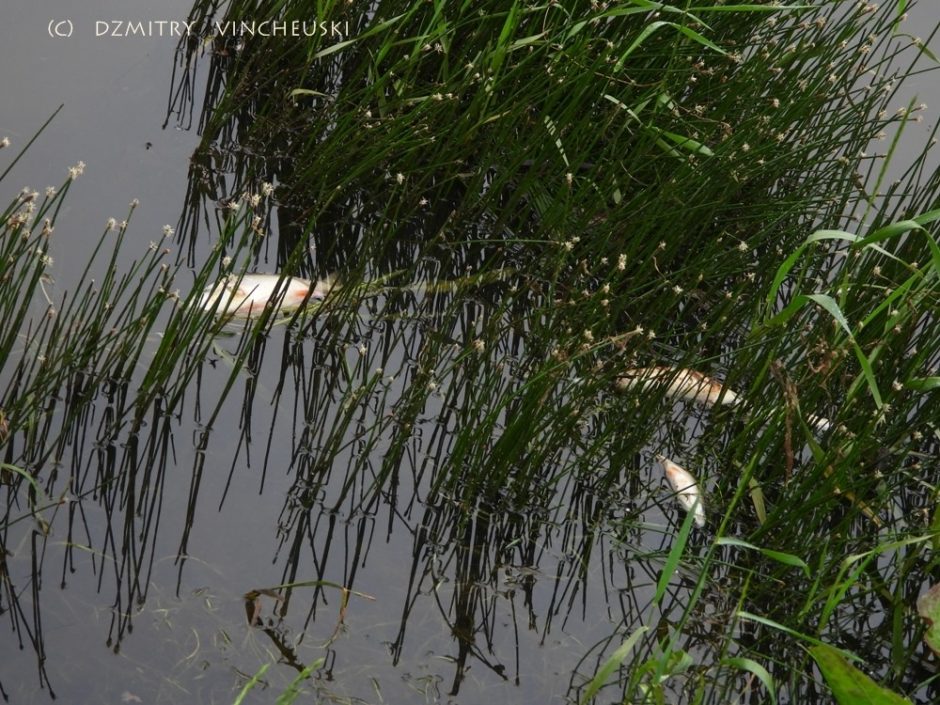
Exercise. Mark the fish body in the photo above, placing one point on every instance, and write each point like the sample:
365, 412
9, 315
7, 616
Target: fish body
680, 383
249, 295
820, 423
686, 488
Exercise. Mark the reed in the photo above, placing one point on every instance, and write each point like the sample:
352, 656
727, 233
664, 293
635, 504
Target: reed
527, 205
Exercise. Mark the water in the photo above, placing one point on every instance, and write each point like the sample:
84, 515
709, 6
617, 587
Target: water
114, 93
143, 583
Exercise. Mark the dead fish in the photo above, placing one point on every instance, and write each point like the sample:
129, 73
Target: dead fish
681, 382
820, 423
687, 491
249, 295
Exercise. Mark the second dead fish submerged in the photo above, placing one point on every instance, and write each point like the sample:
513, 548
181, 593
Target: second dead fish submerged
686, 487
683, 383
248, 295
691, 385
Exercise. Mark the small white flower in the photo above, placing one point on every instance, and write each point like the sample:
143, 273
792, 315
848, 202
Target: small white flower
677, 289
622, 262
135, 203
478, 345
743, 247
267, 188
50, 191
226, 261
569, 245
5, 142
362, 349
400, 178
883, 414
588, 335
167, 231
76, 171
112, 223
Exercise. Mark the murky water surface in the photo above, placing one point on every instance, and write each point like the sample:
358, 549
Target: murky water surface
162, 586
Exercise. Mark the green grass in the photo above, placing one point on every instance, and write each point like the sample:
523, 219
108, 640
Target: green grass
521, 202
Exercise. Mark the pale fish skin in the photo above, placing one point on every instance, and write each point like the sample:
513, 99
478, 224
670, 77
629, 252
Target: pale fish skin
680, 382
249, 295
687, 490
691, 385
820, 423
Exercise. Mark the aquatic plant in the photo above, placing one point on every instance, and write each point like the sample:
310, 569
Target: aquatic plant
528, 204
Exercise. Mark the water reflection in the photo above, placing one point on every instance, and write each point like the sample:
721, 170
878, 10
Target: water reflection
411, 482
361, 412
345, 441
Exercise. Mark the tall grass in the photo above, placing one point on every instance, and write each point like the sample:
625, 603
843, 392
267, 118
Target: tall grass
90, 381
647, 185
521, 203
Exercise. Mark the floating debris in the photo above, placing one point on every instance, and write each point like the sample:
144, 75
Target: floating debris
681, 382
686, 487
248, 295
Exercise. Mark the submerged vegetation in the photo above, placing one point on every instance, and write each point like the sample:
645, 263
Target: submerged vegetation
563, 234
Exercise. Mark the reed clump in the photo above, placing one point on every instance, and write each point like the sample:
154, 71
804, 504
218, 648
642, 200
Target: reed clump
524, 204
